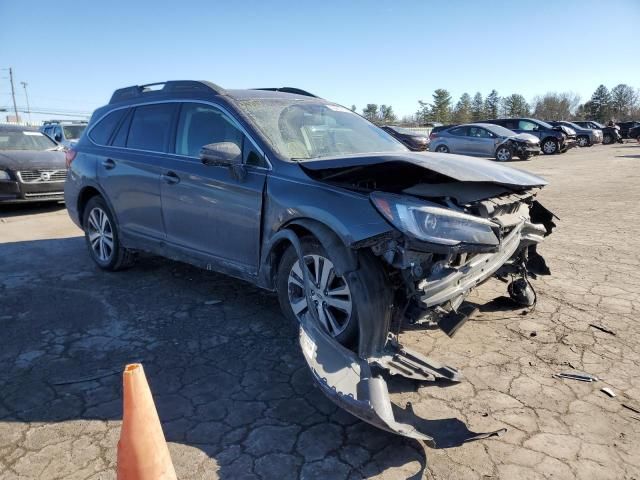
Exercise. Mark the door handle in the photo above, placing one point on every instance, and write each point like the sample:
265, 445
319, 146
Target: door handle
109, 164
170, 177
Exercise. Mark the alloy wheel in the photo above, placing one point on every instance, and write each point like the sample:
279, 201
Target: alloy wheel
549, 146
442, 149
583, 141
503, 154
100, 234
330, 294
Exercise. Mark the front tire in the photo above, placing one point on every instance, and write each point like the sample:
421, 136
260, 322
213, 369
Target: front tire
550, 147
332, 294
102, 237
583, 141
504, 154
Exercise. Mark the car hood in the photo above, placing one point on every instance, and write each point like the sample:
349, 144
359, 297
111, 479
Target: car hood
457, 167
526, 137
32, 159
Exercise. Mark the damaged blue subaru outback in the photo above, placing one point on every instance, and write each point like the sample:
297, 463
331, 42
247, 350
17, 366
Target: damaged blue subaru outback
303, 197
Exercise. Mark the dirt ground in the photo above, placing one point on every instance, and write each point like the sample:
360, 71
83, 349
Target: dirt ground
235, 396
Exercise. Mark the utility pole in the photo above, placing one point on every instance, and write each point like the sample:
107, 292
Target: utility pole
24, 85
13, 93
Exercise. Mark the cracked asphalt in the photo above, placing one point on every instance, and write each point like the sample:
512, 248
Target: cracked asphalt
233, 391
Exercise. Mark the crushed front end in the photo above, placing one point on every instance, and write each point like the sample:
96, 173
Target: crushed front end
456, 223
437, 271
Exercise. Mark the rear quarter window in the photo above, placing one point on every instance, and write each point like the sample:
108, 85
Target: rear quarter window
101, 133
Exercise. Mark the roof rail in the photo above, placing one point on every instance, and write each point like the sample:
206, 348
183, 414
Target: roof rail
294, 90
163, 88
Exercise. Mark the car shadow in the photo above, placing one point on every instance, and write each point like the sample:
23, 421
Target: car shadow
224, 365
627, 156
29, 208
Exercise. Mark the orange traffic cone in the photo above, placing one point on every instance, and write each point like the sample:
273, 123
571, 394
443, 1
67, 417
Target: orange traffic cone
142, 450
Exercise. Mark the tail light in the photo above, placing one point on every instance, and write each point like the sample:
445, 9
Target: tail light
433, 135
69, 156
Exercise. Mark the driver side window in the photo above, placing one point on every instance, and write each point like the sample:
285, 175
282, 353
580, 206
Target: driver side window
200, 125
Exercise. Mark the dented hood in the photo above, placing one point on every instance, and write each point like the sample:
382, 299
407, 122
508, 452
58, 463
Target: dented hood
456, 167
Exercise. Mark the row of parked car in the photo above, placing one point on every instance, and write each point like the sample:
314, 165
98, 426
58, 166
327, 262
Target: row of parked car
506, 138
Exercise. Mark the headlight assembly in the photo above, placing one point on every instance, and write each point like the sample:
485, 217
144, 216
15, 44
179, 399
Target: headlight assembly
433, 223
4, 175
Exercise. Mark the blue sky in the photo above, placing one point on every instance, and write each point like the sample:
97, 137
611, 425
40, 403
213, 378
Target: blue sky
74, 54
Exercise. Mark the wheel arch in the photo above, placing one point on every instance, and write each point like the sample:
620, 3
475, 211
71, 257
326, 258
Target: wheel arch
344, 258
87, 193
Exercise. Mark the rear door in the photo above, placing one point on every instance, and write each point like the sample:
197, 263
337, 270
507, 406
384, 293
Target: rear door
129, 172
213, 212
457, 140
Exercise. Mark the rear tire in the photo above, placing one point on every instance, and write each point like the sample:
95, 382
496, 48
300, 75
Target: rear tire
607, 139
337, 309
102, 237
442, 149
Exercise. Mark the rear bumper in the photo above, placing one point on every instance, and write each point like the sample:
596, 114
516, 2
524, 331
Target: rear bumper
16, 192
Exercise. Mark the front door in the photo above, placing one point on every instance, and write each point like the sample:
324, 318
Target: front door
480, 141
211, 211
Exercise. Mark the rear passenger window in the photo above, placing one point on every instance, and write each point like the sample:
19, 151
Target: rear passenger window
200, 125
459, 131
151, 127
101, 133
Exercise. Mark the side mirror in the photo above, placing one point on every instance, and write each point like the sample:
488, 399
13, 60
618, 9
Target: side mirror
221, 153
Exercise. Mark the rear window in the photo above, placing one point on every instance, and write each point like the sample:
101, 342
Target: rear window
151, 127
101, 133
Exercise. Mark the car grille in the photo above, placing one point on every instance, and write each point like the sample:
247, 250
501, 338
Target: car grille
45, 195
42, 176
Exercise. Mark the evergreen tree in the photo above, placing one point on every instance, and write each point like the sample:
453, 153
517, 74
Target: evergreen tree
477, 107
462, 112
441, 106
515, 105
370, 112
600, 105
353, 108
386, 114
492, 104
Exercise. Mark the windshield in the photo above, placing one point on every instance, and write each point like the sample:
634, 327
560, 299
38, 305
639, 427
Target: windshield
25, 140
73, 132
304, 129
500, 131
572, 125
544, 124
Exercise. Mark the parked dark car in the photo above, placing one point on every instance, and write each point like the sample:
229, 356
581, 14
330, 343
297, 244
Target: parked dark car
303, 197
552, 139
609, 134
626, 126
32, 166
634, 132
414, 141
485, 140
586, 137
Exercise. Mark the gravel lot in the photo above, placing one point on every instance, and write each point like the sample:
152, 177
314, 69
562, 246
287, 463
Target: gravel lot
235, 396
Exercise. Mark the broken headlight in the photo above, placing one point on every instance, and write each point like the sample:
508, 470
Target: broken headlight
433, 223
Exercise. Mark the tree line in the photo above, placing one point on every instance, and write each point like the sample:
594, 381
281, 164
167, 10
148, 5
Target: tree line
620, 103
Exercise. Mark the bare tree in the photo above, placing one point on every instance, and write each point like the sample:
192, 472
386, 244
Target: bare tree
624, 99
555, 106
